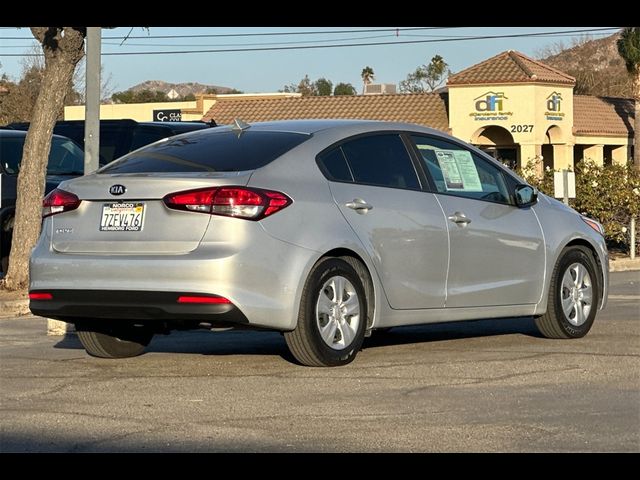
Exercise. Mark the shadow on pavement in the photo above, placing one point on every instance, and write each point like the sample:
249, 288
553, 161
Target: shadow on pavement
243, 342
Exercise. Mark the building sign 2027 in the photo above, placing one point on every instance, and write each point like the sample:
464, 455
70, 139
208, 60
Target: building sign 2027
490, 107
169, 115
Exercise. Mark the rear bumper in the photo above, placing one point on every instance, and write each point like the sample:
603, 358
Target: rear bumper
260, 275
75, 305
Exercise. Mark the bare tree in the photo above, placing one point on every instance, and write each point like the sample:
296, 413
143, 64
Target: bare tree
106, 83
63, 48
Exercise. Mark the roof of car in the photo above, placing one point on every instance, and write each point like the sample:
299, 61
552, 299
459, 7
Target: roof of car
316, 125
21, 133
175, 126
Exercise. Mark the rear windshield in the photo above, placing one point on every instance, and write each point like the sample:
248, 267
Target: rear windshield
209, 151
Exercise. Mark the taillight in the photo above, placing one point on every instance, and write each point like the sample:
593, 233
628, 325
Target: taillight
239, 202
59, 201
203, 299
40, 296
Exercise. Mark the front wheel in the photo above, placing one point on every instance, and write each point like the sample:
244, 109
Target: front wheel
573, 296
107, 341
332, 317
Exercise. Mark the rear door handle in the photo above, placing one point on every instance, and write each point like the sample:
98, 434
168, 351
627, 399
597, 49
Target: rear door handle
359, 205
459, 218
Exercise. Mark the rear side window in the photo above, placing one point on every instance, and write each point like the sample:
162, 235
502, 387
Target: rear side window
65, 158
380, 160
335, 165
209, 151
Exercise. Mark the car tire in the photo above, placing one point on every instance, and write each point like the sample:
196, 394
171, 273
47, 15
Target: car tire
573, 296
107, 342
332, 317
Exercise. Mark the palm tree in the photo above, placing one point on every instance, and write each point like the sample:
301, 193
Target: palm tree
629, 50
367, 76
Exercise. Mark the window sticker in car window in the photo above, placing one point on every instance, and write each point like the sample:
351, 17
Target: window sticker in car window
459, 170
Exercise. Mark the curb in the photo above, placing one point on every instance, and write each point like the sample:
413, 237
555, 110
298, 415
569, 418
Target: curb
624, 264
14, 308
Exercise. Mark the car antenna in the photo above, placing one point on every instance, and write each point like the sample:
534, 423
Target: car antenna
239, 126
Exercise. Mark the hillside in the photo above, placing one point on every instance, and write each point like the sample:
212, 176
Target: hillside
182, 88
595, 64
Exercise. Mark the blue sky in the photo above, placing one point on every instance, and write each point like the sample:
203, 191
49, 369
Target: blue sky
269, 71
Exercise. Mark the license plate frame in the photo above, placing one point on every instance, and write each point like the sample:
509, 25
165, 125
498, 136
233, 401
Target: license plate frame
122, 217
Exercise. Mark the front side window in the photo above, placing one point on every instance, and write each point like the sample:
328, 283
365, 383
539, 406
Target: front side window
458, 171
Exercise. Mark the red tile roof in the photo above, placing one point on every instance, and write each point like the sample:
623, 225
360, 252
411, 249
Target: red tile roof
606, 116
510, 67
429, 109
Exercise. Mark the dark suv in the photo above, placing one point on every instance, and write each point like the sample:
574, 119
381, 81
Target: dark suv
66, 159
118, 137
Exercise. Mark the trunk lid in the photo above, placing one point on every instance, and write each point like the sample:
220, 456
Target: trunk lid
105, 223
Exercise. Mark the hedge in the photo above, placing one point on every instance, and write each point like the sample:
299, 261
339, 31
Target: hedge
607, 193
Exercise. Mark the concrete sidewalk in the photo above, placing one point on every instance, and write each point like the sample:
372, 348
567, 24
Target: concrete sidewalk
20, 306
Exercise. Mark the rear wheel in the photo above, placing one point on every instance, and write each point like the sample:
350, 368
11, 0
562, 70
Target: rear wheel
573, 296
106, 341
332, 317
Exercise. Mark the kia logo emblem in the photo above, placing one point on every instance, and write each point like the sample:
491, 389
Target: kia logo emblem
117, 189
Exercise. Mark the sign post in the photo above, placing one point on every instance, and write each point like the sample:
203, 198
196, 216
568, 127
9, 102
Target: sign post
564, 185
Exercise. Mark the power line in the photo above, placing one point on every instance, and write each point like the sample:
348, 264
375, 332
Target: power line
262, 34
308, 47
461, 37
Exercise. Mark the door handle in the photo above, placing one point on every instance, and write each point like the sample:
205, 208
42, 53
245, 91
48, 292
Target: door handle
359, 205
459, 218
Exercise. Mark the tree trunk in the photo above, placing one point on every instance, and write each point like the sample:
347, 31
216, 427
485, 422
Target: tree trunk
636, 122
63, 49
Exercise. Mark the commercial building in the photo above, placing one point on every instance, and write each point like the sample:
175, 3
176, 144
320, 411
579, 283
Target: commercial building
167, 111
514, 107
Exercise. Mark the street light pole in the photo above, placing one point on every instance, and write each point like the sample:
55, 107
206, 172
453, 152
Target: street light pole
92, 101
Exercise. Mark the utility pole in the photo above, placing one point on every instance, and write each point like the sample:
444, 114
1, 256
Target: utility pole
91, 132
92, 101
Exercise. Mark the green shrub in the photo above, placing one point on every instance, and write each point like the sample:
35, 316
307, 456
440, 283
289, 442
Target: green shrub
609, 194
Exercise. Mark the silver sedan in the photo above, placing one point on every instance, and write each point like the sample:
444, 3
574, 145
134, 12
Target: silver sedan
322, 229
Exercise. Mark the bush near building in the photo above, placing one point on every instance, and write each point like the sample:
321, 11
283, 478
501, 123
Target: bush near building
607, 193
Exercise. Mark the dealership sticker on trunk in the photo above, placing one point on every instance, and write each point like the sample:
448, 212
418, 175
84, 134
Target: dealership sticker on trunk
122, 217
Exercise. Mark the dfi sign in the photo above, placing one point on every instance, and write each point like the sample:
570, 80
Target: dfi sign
490, 106
174, 115
554, 104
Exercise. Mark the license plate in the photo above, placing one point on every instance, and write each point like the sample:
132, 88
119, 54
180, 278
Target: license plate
122, 217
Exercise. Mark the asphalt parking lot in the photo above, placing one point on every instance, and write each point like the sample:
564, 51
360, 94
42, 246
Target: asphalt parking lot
473, 386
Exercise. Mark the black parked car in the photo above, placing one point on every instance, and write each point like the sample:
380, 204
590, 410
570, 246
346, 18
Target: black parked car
119, 137
66, 160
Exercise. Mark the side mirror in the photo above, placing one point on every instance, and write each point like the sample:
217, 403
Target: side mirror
526, 195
